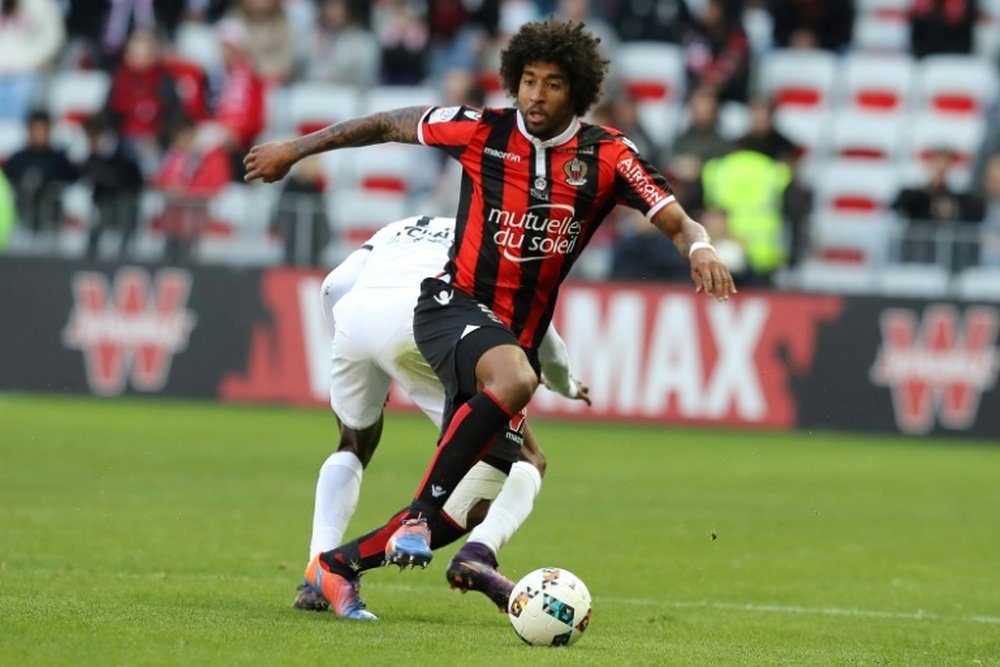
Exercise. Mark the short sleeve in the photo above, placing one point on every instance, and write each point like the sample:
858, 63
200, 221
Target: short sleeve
450, 128
638, 184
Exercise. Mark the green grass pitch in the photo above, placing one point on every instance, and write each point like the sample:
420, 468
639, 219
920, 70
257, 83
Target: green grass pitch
140, 532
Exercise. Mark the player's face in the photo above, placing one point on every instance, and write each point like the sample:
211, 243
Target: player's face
543, 99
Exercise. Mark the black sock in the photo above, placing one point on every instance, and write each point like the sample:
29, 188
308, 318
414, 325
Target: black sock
468, 437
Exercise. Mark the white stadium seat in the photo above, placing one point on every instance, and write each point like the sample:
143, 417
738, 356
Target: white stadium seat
958, 85
877, 82
962, 135
856, 191
927, 281
797, 78
876, 33
818, 276
74, 95
651, 71
312, 105
387, 98
978, 283
866, 136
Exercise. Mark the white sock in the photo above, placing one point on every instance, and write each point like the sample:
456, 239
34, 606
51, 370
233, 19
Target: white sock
510, 508
337, 492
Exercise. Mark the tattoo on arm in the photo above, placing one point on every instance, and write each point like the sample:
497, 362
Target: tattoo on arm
378, 128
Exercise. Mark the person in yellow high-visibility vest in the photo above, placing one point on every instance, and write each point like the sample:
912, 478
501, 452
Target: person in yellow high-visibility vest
8, 214
750, 188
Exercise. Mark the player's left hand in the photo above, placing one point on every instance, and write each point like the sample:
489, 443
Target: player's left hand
710, 275
582, 392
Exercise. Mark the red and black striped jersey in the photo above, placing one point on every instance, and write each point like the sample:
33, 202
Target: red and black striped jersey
528, 207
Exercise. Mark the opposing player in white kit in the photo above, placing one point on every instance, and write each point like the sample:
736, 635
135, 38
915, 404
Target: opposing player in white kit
368, 303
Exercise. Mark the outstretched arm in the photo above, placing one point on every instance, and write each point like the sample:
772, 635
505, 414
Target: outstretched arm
708, 272
270, 162
554, 358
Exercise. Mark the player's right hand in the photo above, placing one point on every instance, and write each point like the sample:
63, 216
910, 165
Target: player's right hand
582, 392
269, 162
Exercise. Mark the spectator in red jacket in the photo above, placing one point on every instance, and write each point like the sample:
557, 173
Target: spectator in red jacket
195, 168
239, 107
717, 53
143, 98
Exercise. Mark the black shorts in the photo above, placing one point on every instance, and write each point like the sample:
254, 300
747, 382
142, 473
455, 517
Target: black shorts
452, 330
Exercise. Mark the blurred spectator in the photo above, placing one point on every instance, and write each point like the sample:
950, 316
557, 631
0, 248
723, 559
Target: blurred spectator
239, 107
38, 172
301, 216
269, 38
661, 21
460, 32
939, 217
143, 99
696, 145
582, 11
643, 253
749, 188
116, 181
990, 245
169, 15
31, 33
404, 39
619, 111
8, 213
942, 26
717, 52
195, 167
813, 24
730, 250
342, 49
764, 137
796, 202
123, 16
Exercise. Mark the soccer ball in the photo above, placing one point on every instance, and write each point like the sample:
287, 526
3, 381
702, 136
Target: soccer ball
549, 607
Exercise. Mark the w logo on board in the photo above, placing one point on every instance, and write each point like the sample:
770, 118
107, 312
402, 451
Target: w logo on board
129, 329
938, 367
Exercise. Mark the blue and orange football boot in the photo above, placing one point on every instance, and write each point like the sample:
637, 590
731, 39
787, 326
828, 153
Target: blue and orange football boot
307, 599
474, 568
342, 594
410, 545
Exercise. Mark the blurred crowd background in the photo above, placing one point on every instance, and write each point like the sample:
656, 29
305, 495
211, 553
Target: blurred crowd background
826, 144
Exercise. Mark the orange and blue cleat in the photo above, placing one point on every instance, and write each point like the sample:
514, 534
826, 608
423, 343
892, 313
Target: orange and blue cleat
342, 594
410, 545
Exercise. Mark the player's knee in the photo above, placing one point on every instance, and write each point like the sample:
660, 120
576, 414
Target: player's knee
362, 443
515, 387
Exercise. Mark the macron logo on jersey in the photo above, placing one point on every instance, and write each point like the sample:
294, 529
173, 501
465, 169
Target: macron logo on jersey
503, 155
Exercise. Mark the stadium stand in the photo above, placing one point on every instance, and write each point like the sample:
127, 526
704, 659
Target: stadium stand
866, 120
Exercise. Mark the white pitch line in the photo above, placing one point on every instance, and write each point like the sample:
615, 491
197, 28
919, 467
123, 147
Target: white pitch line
919, 615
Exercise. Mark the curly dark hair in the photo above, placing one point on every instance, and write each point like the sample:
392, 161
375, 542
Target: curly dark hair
562, 43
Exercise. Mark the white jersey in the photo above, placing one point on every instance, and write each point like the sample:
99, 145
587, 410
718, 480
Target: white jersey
406, 251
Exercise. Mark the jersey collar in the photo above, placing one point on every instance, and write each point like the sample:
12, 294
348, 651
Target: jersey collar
558, 140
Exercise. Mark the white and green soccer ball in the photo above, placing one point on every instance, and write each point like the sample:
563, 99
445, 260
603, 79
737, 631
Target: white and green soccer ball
549, 607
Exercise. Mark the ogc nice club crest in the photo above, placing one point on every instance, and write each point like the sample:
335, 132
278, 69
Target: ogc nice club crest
129, 330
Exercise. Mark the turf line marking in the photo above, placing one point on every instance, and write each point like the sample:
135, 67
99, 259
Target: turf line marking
919, 615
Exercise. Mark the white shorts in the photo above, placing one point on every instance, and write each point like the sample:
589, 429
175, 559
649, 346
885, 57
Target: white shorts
373, 345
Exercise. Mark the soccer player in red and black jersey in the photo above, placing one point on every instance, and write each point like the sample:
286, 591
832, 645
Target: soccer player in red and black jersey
537, 181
